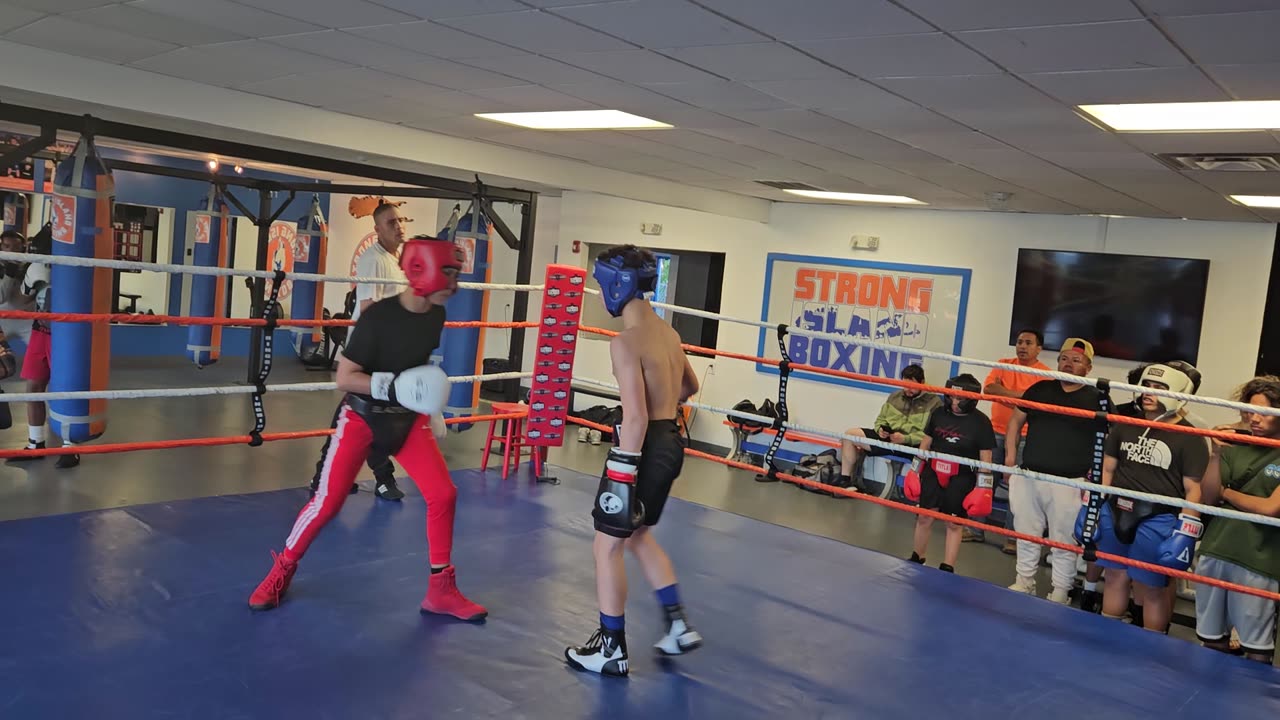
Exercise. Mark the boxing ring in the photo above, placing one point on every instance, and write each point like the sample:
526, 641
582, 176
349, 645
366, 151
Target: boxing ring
139, 612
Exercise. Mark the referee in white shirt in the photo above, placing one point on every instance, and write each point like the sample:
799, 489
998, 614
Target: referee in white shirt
380, 261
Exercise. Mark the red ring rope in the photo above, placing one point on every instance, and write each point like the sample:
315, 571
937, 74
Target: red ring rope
1180, 574
1031, 404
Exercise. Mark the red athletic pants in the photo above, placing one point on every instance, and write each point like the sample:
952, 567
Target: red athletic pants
420, 457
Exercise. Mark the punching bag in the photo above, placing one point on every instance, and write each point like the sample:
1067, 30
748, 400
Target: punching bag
463, 348
80, 355
308, 295
208, 292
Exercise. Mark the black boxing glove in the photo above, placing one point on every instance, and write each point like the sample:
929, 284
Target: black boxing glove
617, 511
14, 270
8, 361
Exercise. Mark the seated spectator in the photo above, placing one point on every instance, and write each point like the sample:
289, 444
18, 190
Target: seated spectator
901, 421
1247, 478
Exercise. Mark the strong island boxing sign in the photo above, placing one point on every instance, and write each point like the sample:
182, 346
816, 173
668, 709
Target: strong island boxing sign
907, 307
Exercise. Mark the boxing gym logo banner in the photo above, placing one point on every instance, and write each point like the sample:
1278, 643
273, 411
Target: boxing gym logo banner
910, 307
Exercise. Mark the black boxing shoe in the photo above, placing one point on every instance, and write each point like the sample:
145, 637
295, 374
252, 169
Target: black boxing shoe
1091, 602
604, 653
680, 637
388, 490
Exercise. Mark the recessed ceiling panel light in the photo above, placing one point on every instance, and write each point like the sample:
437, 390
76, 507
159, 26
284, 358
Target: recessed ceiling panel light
575, 120
857, 197
1189, 117
1262, 201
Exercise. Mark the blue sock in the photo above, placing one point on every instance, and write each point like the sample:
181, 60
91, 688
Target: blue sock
669, 595
613, 623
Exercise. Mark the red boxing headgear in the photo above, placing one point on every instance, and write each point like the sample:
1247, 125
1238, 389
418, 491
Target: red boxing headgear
424, 260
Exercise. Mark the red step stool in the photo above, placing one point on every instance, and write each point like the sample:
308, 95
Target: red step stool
512, 439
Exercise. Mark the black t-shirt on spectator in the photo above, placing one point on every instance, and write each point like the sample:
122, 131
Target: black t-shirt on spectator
1155, 460
1059, 444
961, 435
390, 338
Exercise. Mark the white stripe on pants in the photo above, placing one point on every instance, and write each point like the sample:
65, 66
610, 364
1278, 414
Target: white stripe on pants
1038, 506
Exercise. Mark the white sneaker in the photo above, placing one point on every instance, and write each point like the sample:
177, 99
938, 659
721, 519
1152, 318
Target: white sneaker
593, 437
1060, 596
604, 653
681, 637
582, 434
1024, 586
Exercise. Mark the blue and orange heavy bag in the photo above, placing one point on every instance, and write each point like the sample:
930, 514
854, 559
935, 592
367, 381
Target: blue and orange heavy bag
463, 348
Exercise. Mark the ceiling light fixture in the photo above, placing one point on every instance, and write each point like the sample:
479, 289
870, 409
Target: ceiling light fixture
857, 197
1227, 116
1261, 201
576, 120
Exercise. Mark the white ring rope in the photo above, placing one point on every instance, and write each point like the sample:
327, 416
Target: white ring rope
217, 390
232, 272
929, 454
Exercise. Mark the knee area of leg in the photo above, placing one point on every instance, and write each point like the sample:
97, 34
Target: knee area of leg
440, 493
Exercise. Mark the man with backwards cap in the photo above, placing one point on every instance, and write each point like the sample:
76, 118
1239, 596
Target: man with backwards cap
1056, 444
654, 377
393, 405
1161, 462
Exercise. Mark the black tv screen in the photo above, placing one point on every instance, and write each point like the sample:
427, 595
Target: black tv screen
1131, 307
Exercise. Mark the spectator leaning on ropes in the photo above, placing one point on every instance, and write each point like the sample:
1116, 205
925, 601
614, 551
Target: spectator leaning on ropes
901, 421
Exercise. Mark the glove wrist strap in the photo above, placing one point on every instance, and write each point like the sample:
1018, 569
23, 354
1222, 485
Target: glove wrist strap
382, 385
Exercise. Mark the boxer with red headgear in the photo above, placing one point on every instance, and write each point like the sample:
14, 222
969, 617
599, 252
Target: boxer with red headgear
393, 405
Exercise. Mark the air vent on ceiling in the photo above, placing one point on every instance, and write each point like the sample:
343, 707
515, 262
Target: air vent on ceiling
1238, 162
788, 185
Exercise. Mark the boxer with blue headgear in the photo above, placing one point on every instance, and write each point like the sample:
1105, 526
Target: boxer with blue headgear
624, 273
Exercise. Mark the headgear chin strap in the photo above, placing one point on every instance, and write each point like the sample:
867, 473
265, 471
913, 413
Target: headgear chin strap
1173, 379
965, 382
620, 285
424, 261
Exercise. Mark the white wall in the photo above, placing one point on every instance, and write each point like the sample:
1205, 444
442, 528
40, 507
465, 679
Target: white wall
347, 232
153, 286
986, 242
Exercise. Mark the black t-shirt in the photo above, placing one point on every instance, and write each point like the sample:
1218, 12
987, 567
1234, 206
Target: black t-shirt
1155, 460
390, 338
1130, 409
1060, 444
960, 435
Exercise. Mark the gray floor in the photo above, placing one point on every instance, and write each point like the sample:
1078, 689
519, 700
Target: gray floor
112, 480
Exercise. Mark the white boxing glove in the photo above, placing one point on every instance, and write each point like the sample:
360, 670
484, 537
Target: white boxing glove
438, 428
35, 279
423, 389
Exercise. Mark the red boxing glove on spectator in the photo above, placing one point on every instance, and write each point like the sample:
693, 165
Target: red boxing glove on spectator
977, 504
911, 485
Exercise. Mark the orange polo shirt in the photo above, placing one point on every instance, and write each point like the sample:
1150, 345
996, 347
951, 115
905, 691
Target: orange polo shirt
1013, 380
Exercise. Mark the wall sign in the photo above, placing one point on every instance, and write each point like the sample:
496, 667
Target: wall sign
909, 307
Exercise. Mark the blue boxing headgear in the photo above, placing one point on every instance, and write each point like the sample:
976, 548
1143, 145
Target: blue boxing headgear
620, 284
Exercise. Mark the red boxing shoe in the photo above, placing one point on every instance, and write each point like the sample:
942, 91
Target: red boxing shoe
444, 598
273, 586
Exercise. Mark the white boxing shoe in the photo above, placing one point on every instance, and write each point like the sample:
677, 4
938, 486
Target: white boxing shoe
680, 637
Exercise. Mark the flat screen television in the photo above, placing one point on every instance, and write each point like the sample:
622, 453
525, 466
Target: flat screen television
1131, 307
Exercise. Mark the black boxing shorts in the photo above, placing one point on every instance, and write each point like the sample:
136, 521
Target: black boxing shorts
661, 460
389, 423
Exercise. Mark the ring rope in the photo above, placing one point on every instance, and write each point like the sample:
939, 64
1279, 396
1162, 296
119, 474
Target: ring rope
232, 272
978, 464
142, 393
138, 319
1018, 402
1179, 574
1052, 374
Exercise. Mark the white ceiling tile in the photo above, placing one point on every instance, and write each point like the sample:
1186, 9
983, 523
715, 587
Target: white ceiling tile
86, 40
12, 18
353, 49
535, 69
166, 28
534, 98
230, 16
434, 9
319, 89
431, 38
537, 31
971, 92
930, 54
636, 66
895, 115
936, 141
447, 74
464, 126
756, 62
59, 6
1228, 39
1102, 160
1089, 140
867, 146
1248, 82
622, 96
702, 143
691, 118
719, 95
1201, 7
236, 63
815, 19
844, 92
793, 119
1182, 84
986, 14
332, 13
661, 23
1092, 46
690, 174
1195, 143
389, 110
